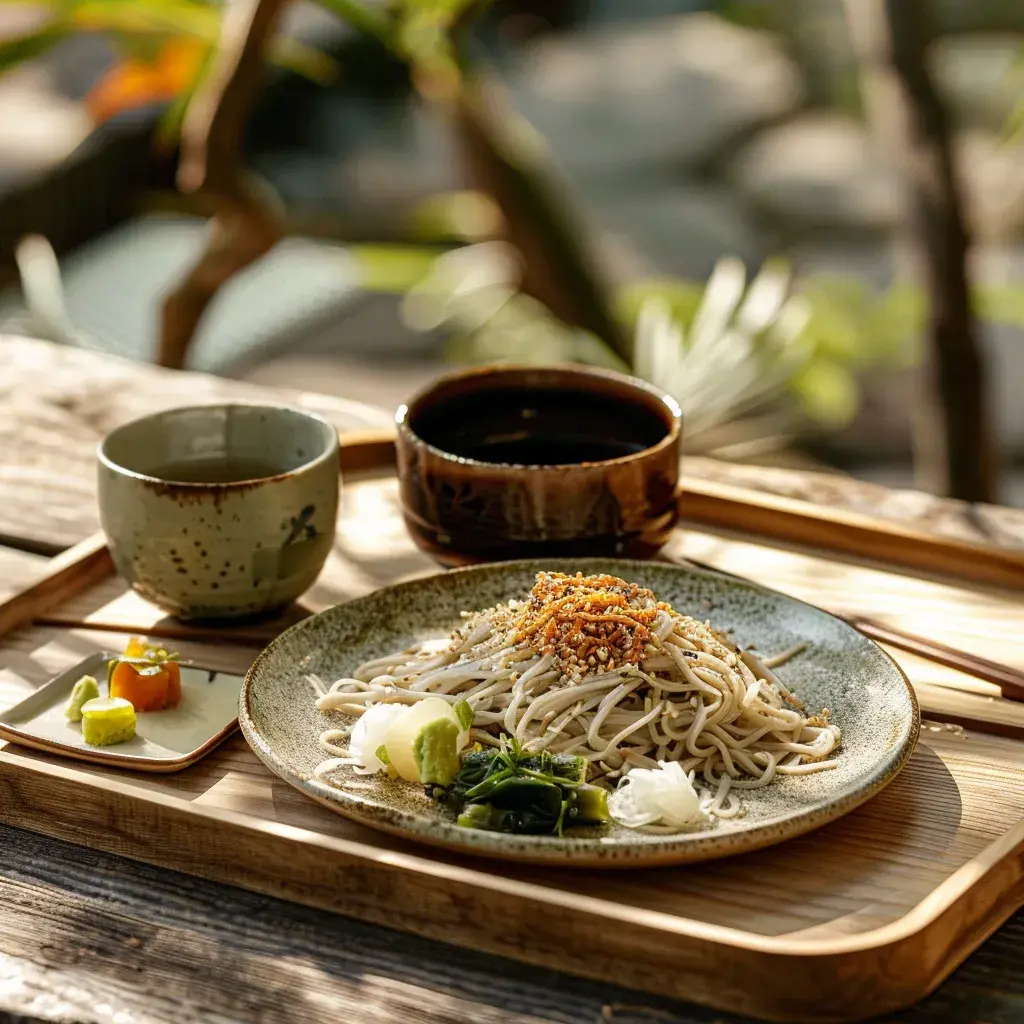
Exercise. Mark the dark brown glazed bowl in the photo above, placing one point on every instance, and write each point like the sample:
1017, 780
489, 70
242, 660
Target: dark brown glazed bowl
462, 511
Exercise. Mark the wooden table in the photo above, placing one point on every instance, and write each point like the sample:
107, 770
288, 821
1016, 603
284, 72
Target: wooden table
88, 937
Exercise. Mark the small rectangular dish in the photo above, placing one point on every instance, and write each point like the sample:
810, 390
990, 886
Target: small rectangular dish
165, 741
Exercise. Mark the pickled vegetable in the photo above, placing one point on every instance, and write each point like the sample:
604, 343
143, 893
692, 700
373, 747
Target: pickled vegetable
107, 720
85, 689
146, 676
366, 743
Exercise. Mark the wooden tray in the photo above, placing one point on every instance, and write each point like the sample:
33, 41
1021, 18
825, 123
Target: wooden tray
861, 917
778, 517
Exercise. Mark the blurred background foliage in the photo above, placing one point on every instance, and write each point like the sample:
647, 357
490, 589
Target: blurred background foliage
773, 358
1015, 124
756, 359
164, 46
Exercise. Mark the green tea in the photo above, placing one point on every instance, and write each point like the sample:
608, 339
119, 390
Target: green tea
215, 469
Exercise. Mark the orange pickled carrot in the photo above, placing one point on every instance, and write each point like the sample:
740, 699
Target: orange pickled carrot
146, 692
173, 670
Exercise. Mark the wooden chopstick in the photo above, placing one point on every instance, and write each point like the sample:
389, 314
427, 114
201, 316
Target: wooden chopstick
1009, 680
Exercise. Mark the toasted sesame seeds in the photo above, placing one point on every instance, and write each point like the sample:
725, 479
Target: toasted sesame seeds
587, 622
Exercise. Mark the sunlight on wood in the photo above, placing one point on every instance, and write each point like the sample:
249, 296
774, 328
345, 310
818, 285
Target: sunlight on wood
968, 617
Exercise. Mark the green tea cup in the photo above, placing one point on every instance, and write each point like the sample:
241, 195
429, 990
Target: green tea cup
220, 511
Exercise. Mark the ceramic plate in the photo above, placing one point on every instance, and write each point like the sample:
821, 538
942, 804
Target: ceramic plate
165, 741
870, 699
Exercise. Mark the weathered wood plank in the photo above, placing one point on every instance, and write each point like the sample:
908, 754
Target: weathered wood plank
18, 569
88, 938
993, 524
66, 575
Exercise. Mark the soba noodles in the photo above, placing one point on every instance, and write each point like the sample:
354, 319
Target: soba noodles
596, 666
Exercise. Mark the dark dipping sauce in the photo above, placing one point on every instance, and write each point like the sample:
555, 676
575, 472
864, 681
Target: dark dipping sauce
538, 427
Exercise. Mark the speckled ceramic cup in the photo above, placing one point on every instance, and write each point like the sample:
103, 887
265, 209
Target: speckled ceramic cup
220, 511
508, 462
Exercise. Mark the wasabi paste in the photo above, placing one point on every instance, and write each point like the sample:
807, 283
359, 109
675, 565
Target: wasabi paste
85, 689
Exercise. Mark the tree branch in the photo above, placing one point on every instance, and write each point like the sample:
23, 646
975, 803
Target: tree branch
248, 221
506, 159
952, 432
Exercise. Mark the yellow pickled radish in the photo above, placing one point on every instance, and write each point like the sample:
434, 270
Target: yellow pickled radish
404, 729
107, 720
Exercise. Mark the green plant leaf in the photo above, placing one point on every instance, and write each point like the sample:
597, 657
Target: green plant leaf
141, 26
362, 18
169, 127
681, 297
393, 268
20, 49
1000, 303
305, 60
141, 46
169, 17
1014, 130
429, 20
761, 15
853, 324
467, 215
894, 330
838, 310
828, 393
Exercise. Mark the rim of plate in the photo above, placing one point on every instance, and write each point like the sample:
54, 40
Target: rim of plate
584, 852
